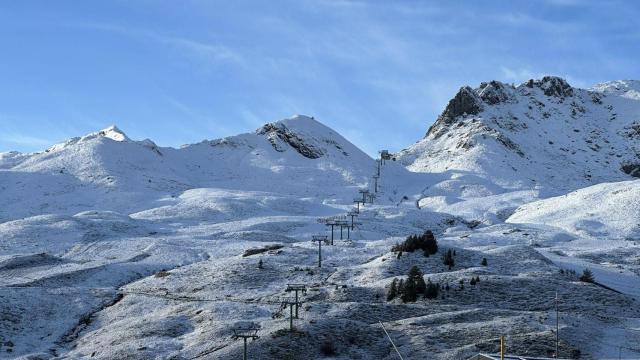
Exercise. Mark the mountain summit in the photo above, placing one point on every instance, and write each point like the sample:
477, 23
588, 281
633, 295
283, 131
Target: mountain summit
540, 133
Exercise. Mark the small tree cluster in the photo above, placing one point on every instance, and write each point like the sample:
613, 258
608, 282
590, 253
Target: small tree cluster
426, 242
474, 280
587, 276
413, 287
447, 259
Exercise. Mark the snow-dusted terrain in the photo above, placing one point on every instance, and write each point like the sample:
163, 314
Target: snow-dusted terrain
113, 248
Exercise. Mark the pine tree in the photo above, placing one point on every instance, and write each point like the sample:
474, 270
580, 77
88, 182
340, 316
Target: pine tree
587, 276
430, 243
400, 289
393, 290
260, 264
409, 294
472, 281
484, 262
447, 259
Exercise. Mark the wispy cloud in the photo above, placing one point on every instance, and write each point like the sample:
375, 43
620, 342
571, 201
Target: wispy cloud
200, 50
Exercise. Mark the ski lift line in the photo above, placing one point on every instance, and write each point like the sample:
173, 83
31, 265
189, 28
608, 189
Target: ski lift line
391, 340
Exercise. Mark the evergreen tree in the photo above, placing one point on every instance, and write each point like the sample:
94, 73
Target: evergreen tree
393, 290
587, 276
447, 259
431, 291
409, 293
430, 243
472, 281
484, 262
260, 264
400, 289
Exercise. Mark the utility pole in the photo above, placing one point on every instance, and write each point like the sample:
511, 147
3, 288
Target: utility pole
502, 347
245, 333
557, 327
297, 288
320, 239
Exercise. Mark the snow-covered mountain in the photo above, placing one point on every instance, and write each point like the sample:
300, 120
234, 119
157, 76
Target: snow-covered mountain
115, 248
541, 134
297, 156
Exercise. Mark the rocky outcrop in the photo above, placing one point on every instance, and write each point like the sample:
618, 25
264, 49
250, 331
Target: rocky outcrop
466, 102
495, 92
278, 132
631, 169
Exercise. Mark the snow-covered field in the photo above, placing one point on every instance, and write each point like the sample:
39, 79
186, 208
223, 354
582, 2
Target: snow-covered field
113, 248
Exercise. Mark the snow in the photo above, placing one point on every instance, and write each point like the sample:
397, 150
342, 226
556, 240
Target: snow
113, 247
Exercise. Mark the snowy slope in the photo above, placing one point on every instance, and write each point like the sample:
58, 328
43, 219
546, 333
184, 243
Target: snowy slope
607, 211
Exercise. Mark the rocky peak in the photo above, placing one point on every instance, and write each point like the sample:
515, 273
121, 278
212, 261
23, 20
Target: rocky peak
552, 86
495, 92
466, 102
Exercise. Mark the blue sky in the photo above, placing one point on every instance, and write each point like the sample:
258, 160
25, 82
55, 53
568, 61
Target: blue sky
379, 72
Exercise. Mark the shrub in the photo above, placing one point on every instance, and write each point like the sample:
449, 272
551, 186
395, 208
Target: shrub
328, 348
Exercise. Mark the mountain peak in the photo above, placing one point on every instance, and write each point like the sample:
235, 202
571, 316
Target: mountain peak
112, 132
552, 86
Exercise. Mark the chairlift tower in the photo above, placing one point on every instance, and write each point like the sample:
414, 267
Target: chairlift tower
320, 239
358, 202
375, 180
371, 197
364, 193
384, 155
331, 223
352, 214
344, 224
291, 303
297, 288
244, 334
